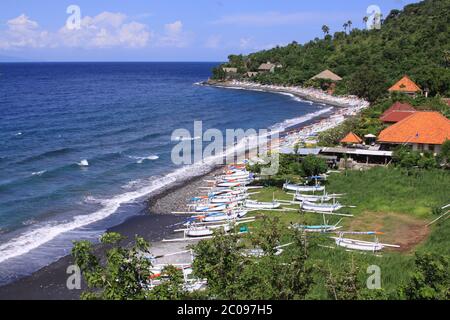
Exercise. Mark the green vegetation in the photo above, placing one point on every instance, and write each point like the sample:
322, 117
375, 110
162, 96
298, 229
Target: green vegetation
411, 41
388, 199
121, 275
292, 167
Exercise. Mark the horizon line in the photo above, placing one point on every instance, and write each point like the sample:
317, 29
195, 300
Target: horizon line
115, 61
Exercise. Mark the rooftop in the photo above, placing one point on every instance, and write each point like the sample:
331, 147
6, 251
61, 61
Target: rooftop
327, 74
398, 111
363, 152
351, 138
425, 127
405, 84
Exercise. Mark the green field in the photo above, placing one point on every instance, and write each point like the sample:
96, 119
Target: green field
390, 200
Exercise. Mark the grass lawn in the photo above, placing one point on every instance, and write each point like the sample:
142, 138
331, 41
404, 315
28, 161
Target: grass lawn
388, 200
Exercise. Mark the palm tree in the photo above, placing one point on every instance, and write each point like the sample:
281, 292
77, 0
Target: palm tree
349, 23
325, 29
345, 25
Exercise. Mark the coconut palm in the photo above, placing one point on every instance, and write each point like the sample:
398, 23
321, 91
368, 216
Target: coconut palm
325, 29
345, 25
349, 23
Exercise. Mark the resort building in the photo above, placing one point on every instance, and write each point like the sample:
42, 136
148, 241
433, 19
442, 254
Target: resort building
268, 67
397, 112
327, 75
407, 86
354, 156
251, 74
331, 77
230, 70
423, 130
351, 139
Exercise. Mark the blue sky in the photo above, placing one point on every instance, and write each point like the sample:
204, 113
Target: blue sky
170, 30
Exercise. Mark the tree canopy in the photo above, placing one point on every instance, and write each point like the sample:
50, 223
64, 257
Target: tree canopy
412, 41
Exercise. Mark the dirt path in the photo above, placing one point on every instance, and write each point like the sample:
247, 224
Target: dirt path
401, 229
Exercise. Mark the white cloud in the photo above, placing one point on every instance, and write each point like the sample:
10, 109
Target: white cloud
244, 43
213, 42
105, 30
23, 32
174, 35
272, 18
174, 28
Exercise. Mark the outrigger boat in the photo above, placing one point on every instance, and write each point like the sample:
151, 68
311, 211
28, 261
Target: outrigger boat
229, 198
353, 244
237, 175
323, 228
251, 204
202, 230
213, 207
232, 183
320, 207
204, 233
302, 188
221, 216
315, 197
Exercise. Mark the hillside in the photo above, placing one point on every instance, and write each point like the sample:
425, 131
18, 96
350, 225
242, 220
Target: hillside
413, 41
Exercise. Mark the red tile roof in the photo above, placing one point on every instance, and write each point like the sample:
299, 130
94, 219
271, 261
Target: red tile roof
405, 84
351, 138
428, 127
398, 111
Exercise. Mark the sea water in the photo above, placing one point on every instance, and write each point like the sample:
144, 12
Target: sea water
82, 145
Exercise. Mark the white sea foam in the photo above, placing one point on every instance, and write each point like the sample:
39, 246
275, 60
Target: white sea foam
142, 159
186, 138
29, 222
91, 199
295, 121
38, 173
83, 163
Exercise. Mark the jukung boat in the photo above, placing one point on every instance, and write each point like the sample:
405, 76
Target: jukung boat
302, 188
312, 198
221, 216
320, 207
211, 207
204, 230
228, 198
323, 228
361, 245
251, 204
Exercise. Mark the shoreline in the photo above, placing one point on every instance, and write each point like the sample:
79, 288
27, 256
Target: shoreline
49, 282
309, 94
344, 107
154, 224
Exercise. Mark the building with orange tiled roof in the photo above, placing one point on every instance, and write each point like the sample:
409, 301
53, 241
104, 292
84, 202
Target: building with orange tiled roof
351, 138
423, 130
406, 85
398, 111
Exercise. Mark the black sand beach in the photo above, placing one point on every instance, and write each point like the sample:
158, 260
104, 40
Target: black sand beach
49, 283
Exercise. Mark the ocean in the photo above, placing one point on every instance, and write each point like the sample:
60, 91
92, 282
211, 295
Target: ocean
83, 145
